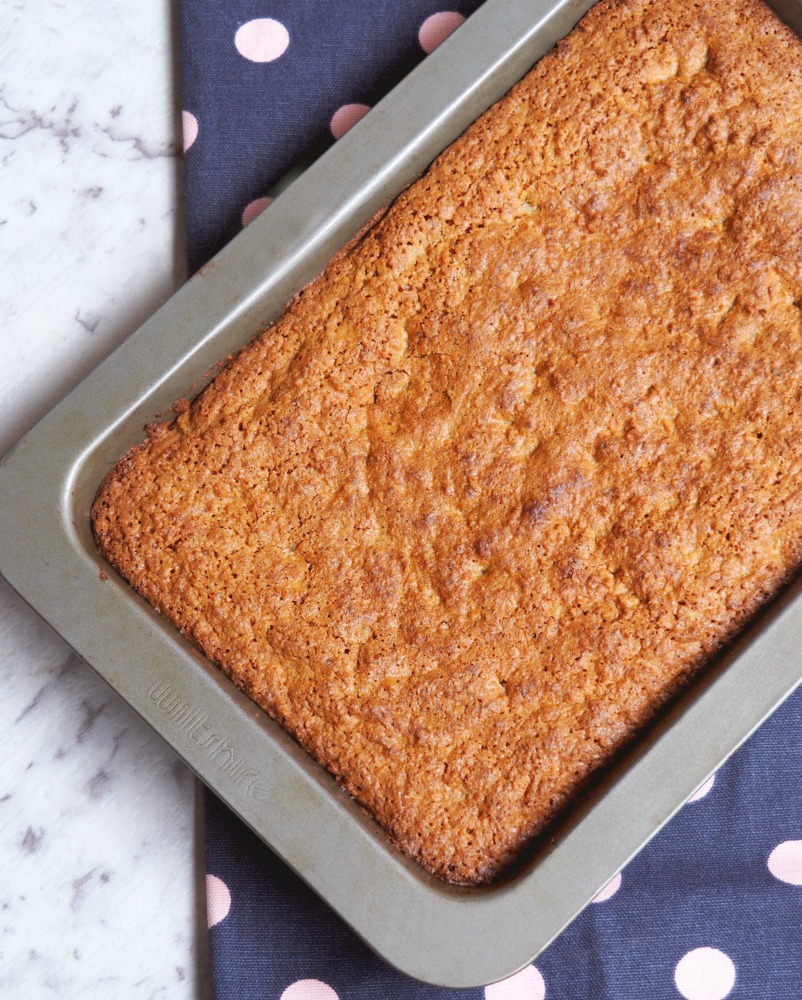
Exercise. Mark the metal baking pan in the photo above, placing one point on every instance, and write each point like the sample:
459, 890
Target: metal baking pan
435, 932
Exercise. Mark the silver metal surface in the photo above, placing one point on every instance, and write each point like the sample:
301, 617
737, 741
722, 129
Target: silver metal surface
441, 934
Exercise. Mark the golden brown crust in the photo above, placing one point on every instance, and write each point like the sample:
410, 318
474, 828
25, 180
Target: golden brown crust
525, 456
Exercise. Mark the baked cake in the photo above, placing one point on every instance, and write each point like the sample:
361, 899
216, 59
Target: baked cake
526, 455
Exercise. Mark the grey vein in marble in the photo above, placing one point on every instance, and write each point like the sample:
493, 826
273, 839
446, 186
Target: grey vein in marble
99, 883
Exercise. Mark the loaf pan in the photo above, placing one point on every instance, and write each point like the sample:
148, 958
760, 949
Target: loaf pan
440, 934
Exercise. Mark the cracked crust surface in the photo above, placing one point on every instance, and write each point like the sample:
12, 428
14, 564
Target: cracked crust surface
526, 456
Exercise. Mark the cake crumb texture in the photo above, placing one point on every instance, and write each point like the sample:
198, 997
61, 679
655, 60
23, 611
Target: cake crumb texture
524, 457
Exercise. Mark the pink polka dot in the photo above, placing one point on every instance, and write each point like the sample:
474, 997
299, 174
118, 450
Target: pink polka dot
703, 789
609, 890
218, 900
254, 208
785, 862
436, 29
704, 974
527, 984
309, 989
346, 117
190, 126
262, 40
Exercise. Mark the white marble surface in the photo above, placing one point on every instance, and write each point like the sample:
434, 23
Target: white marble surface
101, 877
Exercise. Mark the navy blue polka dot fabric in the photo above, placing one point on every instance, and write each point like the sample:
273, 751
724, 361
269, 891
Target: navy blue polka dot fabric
257, 120
712, 908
